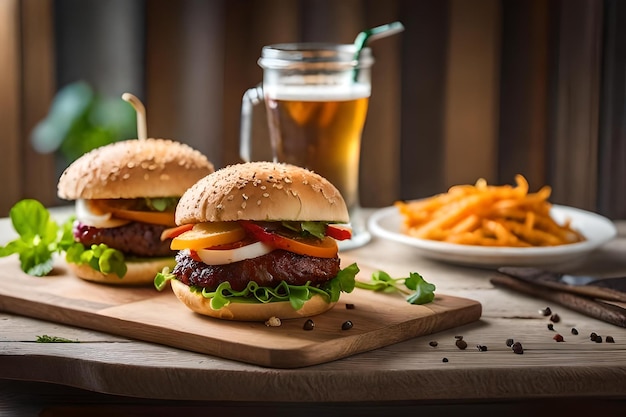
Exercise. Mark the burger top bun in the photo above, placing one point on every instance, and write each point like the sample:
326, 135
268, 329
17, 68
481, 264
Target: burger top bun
262, 191
134, 168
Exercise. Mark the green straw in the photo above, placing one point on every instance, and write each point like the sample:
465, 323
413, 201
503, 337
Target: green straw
369, 35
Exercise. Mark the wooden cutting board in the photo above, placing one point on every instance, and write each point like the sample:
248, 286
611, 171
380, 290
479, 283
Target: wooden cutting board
146, 314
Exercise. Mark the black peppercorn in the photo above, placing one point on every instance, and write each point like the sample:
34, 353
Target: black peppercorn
546, 311
444, 360
609, 339
347, 325
309, 325
481, 348
555, 318
517, 348
574, 331
593, 336
509, 342
461, 344
349, 306
433, 343
550, 326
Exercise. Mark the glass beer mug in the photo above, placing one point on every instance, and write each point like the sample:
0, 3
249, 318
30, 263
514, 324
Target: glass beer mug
316, 98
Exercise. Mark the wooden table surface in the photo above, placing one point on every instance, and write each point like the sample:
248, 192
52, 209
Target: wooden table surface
60, 378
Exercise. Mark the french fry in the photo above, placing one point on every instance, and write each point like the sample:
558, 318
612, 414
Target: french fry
488, 215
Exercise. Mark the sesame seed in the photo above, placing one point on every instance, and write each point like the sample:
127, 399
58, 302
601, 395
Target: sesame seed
245, 197
266, 195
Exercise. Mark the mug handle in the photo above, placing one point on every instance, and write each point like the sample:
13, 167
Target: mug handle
251, 97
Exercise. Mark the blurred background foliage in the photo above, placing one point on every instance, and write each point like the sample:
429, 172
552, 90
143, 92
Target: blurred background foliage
80, 119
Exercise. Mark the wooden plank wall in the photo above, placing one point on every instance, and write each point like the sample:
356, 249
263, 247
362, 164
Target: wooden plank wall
612, 149
486, 88
524, 83
26, 86
9, 104
576, 103
472, 92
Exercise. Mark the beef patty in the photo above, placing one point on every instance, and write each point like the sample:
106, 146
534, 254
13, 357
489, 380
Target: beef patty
135, 238
267, 270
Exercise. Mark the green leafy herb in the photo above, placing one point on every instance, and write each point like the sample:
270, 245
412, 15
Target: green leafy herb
317, 229
423, 291
99, 257
54, 339
297, 295
40, 237
162, 204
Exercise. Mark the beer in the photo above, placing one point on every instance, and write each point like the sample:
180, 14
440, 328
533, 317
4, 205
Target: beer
319, 127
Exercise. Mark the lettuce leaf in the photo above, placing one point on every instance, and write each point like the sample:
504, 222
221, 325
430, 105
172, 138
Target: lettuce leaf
297, 295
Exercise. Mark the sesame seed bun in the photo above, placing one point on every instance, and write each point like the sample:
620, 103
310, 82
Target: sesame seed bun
248, 311
262, 191
138, 272
134, 168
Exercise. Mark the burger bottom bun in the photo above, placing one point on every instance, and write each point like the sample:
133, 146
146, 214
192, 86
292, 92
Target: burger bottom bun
248, 311
138, 273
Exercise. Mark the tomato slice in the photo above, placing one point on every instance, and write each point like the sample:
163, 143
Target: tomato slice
172, 232
338, 232
320, 248
205, 235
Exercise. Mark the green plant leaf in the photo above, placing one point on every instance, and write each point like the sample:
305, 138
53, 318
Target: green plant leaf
423, 292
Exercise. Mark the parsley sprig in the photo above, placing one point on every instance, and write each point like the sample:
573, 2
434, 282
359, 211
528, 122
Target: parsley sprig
422, 292
40, 237
54, 339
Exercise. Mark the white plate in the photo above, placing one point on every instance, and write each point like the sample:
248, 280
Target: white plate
598, 230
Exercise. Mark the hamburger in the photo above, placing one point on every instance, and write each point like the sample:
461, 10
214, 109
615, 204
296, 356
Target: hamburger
258, 240
126, 195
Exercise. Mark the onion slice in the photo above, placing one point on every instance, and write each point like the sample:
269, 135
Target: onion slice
227, 256
87, 214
